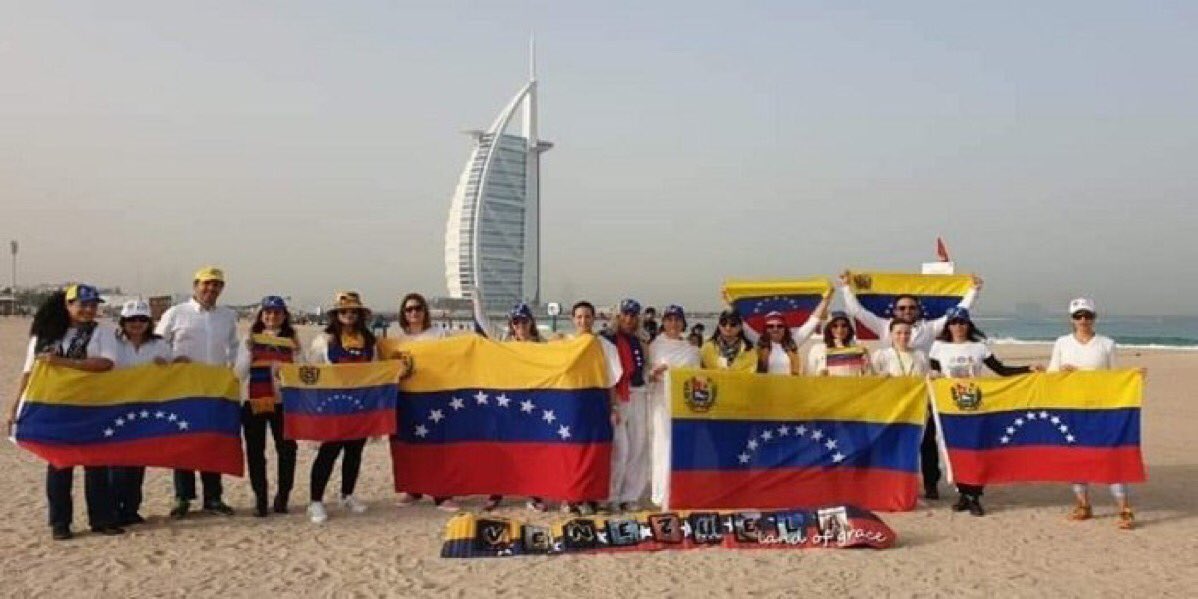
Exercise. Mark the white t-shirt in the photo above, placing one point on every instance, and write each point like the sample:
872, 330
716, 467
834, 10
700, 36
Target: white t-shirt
960, 360
779, 360
99, 346
910, 363
1097, 354
428, 334
124, 355
678, 353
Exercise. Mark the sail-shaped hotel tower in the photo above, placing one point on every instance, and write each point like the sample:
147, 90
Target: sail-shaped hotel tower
493, 237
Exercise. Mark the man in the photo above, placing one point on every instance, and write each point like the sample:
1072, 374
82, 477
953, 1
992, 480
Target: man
205, 333
906, 309
630, 432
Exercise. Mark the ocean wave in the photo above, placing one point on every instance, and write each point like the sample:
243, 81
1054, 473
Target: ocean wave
1175, 344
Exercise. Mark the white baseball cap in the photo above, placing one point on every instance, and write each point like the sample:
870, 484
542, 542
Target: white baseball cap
133, 308
1081, 304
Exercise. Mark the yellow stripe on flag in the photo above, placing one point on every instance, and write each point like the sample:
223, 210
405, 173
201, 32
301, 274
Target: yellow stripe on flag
340, 376
747, 396
1088, 390
147, 383
473, 362
889, 283
735, 290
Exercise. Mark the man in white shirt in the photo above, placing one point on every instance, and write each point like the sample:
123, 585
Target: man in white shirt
906, 309
206, 333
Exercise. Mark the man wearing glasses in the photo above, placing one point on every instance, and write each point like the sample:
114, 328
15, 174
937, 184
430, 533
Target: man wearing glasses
906, 309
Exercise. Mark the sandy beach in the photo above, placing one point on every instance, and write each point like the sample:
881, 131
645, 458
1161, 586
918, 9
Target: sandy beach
1024, 547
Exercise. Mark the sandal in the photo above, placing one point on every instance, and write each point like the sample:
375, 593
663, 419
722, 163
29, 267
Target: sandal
1081, 512
1127, 519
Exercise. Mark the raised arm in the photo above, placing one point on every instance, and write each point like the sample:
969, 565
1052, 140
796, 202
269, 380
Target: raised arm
966, 302
872, 321
803, 332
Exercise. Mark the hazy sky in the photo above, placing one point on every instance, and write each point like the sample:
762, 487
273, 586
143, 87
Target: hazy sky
311, 146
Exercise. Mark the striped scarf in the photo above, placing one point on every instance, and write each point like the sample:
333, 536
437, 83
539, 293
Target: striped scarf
264, 351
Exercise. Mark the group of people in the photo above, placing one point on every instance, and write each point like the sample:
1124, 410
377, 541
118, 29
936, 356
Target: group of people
65, 332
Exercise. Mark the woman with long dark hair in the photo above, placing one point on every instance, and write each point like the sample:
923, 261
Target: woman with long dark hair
729, 348
272, 341
416, 324
346, 339
65, 333
960, 351
777, 351
839, 354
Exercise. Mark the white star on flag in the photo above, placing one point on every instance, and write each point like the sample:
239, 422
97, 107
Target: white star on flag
1069, 438
744, 458
563, 431
130, 416
172, 417
1055, 420
767, 435
1064, 428
503, 400
1018, 422
120, 421
1005, 439
159, 414
547, 416
109, 432
1010, 430
145, 413
421, 431
436, 415
838, 457
783, 430
527, 406
183, 425
1031, 415
801, 430
752, 444
1043, 414
481, 398
831, 444
817, 434
457, 403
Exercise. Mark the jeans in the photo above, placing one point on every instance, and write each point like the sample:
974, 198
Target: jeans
322, 468
254, 429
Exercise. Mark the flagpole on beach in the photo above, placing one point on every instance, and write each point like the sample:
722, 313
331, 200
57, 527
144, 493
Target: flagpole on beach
948, 465
13, 246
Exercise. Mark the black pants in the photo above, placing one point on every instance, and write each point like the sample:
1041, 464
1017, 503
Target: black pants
254, 429
126, 482
95, 489
929, 462
185, 486
322, 467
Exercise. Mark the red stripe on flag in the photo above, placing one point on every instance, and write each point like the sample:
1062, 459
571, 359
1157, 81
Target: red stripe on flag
1048, 464
863, 332
207, 452
560, 471
339, 427
884, 490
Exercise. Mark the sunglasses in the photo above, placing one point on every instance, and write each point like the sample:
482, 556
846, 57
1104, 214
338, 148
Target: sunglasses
347, 312
521, 320
775, 327
729, 323
413, 308
1083, 316
145, 319
960, 322
839, 325
905, 308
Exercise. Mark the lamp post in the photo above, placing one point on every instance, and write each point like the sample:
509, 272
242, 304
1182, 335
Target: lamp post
12, 245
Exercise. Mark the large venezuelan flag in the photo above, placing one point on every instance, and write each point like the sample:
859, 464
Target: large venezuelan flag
796, 300
339, 402
757, 441
1055, 427
178, 416
479, 417
936, 293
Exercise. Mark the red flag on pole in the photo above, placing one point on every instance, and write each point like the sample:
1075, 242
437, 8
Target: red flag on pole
942, 250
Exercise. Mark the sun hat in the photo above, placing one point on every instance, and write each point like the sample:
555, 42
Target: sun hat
348, 300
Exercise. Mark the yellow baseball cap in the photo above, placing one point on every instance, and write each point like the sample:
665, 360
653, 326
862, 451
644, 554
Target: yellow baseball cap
209, 273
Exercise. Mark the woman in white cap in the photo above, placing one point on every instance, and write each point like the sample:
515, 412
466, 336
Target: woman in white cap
839, 354
346, 339
65, 333
1085, 349
670, 349
416, 324
521, 328
272, 341
959, 352
134, 343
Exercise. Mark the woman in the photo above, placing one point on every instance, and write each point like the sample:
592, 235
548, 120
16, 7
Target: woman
729, 348
900, 359
669, 350
839, 354
416, 324
1085, 349
65, 333
347, 339
777, 352
960, 352
134, 343
521, 328
272, 341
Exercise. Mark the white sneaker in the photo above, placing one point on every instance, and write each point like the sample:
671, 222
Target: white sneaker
317, 513
351, 503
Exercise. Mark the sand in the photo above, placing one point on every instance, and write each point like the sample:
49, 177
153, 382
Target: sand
1025, 546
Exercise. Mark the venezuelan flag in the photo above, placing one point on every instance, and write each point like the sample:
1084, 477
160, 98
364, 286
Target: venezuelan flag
936, 293
1054, 427
178, 416
750, 441
339, 402
796, 300
479, 416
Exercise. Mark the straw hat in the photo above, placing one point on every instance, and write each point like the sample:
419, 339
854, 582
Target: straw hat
348, 300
